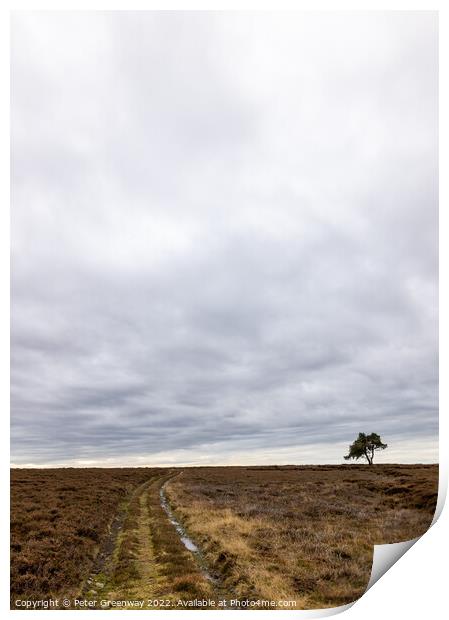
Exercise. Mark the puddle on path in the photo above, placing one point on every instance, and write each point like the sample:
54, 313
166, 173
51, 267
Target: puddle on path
188, 543
185, 539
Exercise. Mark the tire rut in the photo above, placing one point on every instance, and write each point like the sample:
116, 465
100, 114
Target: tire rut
220, 589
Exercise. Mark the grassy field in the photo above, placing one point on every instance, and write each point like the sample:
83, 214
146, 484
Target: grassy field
302, 534
60, 518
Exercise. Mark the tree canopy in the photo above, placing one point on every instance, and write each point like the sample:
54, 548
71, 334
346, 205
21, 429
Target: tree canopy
365, 446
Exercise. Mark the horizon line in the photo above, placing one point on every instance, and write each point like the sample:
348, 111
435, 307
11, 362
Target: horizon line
13, 466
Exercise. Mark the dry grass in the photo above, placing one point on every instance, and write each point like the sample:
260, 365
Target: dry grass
302, 533
149, 561
61, 519
180, 576
296, 533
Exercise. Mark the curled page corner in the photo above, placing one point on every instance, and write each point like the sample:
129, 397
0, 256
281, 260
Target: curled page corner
442, 493
385, 556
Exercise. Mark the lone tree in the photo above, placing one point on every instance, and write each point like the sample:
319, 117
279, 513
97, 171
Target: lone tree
365, 446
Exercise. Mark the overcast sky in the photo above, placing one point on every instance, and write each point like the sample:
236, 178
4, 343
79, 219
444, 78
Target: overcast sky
224, 237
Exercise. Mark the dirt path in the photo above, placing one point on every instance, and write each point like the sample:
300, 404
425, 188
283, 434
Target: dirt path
102, 571
149, 556
220, 590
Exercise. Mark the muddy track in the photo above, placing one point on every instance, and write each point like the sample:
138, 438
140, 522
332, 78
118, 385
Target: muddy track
148, 553
103, 561
220, 590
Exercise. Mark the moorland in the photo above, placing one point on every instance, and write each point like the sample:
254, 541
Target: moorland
170, 536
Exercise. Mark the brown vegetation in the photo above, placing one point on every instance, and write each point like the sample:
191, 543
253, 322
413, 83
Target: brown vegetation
295, 533
302, 533
150, 562
60, 521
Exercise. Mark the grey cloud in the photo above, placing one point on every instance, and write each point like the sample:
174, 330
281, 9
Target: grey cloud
224, 235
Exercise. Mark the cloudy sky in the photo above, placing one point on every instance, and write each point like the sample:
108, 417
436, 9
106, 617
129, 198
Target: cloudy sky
224, 237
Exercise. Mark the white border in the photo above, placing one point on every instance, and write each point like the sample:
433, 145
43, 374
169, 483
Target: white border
417, 584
